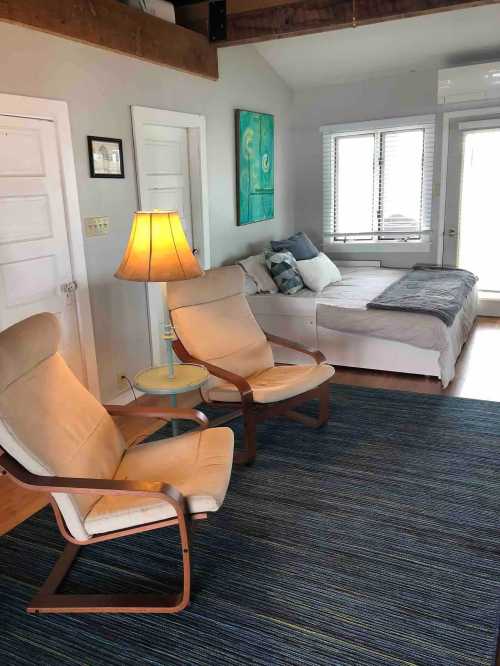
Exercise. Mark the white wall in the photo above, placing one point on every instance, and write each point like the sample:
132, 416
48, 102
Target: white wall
412, 93
100, 87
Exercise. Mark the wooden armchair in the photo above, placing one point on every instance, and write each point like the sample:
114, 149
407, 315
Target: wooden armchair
216, 328
55, 437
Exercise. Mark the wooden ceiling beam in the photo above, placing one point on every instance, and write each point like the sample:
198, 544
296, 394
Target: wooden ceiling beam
251, 21
110, 25
296, 18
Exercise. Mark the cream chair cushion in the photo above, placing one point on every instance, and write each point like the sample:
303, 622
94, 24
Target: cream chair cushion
51, 424
198, 464
213, 285
275, 384
214, 322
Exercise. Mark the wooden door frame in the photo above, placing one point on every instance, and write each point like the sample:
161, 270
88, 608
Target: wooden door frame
195, 125
57, 111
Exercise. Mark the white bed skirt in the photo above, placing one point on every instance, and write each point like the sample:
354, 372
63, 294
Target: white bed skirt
360, 351
347, 349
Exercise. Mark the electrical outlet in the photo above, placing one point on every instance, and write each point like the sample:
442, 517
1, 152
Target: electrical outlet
121, 381
96, 226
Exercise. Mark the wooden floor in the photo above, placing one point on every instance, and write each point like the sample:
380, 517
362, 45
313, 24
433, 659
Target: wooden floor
477, 376
477, 371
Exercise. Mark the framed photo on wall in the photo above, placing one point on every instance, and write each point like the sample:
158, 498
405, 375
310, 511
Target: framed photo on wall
105, 157
254, 166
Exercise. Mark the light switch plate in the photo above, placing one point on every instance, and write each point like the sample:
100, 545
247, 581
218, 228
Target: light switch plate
96, 226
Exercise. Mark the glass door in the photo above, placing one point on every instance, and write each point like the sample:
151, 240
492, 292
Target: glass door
479, 220
472, 225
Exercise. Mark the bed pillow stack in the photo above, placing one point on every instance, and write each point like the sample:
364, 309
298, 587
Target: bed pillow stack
315, 268
293, 263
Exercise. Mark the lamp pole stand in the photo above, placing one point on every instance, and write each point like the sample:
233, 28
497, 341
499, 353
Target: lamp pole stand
169, 336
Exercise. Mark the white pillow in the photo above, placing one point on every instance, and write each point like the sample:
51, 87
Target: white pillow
256, 267
318, 272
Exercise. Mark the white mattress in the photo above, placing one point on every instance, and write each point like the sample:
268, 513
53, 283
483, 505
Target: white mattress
342, 307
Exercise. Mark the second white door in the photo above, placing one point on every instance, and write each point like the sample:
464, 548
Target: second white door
162, 155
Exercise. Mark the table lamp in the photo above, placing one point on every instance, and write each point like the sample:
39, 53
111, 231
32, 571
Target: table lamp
158, 251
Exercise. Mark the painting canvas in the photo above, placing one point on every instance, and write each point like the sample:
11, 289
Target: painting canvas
255, 166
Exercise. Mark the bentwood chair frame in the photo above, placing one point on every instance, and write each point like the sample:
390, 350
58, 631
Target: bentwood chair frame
253, 412
48, 600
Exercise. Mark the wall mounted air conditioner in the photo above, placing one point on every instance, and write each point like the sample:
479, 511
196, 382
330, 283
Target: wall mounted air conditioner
470, 83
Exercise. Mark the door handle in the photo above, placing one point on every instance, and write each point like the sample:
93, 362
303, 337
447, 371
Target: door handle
452, 233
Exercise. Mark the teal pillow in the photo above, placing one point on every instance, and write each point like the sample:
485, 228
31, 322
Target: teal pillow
284, 271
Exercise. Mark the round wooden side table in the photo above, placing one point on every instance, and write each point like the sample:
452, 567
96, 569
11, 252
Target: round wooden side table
155, 381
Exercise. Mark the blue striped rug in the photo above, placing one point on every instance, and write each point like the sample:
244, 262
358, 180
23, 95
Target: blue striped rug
373, 542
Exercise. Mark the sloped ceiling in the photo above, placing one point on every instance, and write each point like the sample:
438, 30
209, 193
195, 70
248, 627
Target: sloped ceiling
443, 40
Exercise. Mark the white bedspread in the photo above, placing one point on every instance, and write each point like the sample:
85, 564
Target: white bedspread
342, 307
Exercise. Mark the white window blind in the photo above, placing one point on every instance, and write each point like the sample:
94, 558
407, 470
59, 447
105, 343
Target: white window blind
377, 182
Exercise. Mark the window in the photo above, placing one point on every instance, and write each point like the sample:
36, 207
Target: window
378, 182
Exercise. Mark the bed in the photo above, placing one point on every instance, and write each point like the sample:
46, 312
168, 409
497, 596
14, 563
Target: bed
337, 322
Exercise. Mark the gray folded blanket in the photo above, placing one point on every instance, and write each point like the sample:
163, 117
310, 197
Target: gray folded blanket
435, 290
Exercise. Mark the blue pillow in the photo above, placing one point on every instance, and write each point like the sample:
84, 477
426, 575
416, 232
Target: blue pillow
300, 245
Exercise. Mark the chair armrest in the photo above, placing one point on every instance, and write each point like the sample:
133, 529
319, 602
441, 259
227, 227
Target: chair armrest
159, 413
318, 356
85, 486
240, 382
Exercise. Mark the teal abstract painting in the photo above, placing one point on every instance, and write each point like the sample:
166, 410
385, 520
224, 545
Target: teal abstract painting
255, 166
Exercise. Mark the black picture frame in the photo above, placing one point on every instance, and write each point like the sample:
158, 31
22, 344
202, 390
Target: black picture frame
96, 170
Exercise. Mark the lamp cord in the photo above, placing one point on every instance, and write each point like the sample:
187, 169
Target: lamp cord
131, 386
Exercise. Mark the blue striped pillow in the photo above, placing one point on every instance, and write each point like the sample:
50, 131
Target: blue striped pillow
284, 271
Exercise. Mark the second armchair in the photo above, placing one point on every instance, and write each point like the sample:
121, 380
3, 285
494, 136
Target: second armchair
216, 328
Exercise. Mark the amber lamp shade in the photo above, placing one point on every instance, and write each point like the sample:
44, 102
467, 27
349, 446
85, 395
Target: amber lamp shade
158, 250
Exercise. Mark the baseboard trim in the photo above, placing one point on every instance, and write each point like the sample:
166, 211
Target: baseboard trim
489, 305
125, 397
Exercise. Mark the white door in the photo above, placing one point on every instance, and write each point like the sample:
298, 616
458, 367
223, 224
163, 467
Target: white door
163, 173
165, 184
35, 267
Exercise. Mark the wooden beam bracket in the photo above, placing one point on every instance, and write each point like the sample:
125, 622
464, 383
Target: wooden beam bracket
217, 21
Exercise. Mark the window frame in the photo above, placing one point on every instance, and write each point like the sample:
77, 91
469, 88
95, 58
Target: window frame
379, 242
